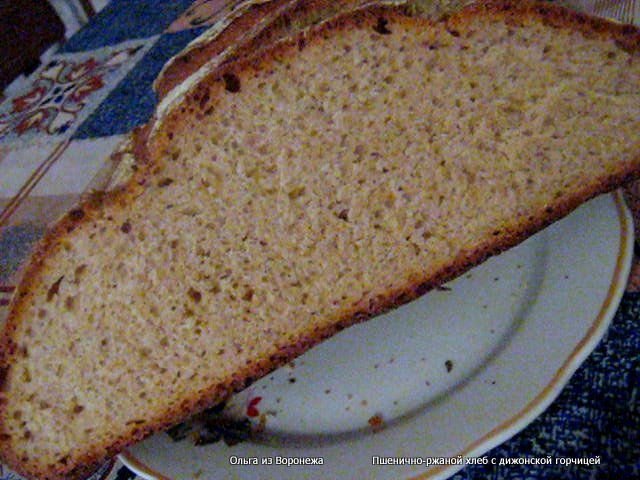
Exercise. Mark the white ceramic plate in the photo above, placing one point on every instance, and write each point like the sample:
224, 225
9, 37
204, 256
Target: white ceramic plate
455, 372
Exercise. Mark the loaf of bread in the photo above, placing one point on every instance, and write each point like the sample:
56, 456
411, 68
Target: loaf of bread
290, 194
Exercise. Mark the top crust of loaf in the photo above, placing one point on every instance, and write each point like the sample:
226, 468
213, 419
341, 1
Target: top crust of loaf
260, 27
149, 150
257, 17
201, 50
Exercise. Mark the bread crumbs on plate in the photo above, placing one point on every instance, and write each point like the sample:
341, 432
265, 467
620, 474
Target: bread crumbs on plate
448, 365
376, 422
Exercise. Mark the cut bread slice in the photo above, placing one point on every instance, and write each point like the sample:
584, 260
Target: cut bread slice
253, 25
291, 194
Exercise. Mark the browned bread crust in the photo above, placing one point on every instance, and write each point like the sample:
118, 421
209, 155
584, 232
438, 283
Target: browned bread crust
255, 30
265, 23
188, 61
152, 149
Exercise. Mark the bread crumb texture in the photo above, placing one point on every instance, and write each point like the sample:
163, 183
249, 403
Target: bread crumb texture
294, 191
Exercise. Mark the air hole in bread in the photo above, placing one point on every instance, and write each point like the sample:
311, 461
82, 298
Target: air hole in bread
194, 295
343, 215
382, 26
69, 303
54, 289
231, 82
79, 272
248, 294
453, 32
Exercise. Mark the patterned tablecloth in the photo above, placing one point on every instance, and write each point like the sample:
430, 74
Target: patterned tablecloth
59, 127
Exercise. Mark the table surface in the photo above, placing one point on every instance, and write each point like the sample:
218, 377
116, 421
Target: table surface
59, 127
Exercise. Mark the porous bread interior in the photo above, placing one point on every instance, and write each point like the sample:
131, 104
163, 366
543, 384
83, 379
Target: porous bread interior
355, 167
